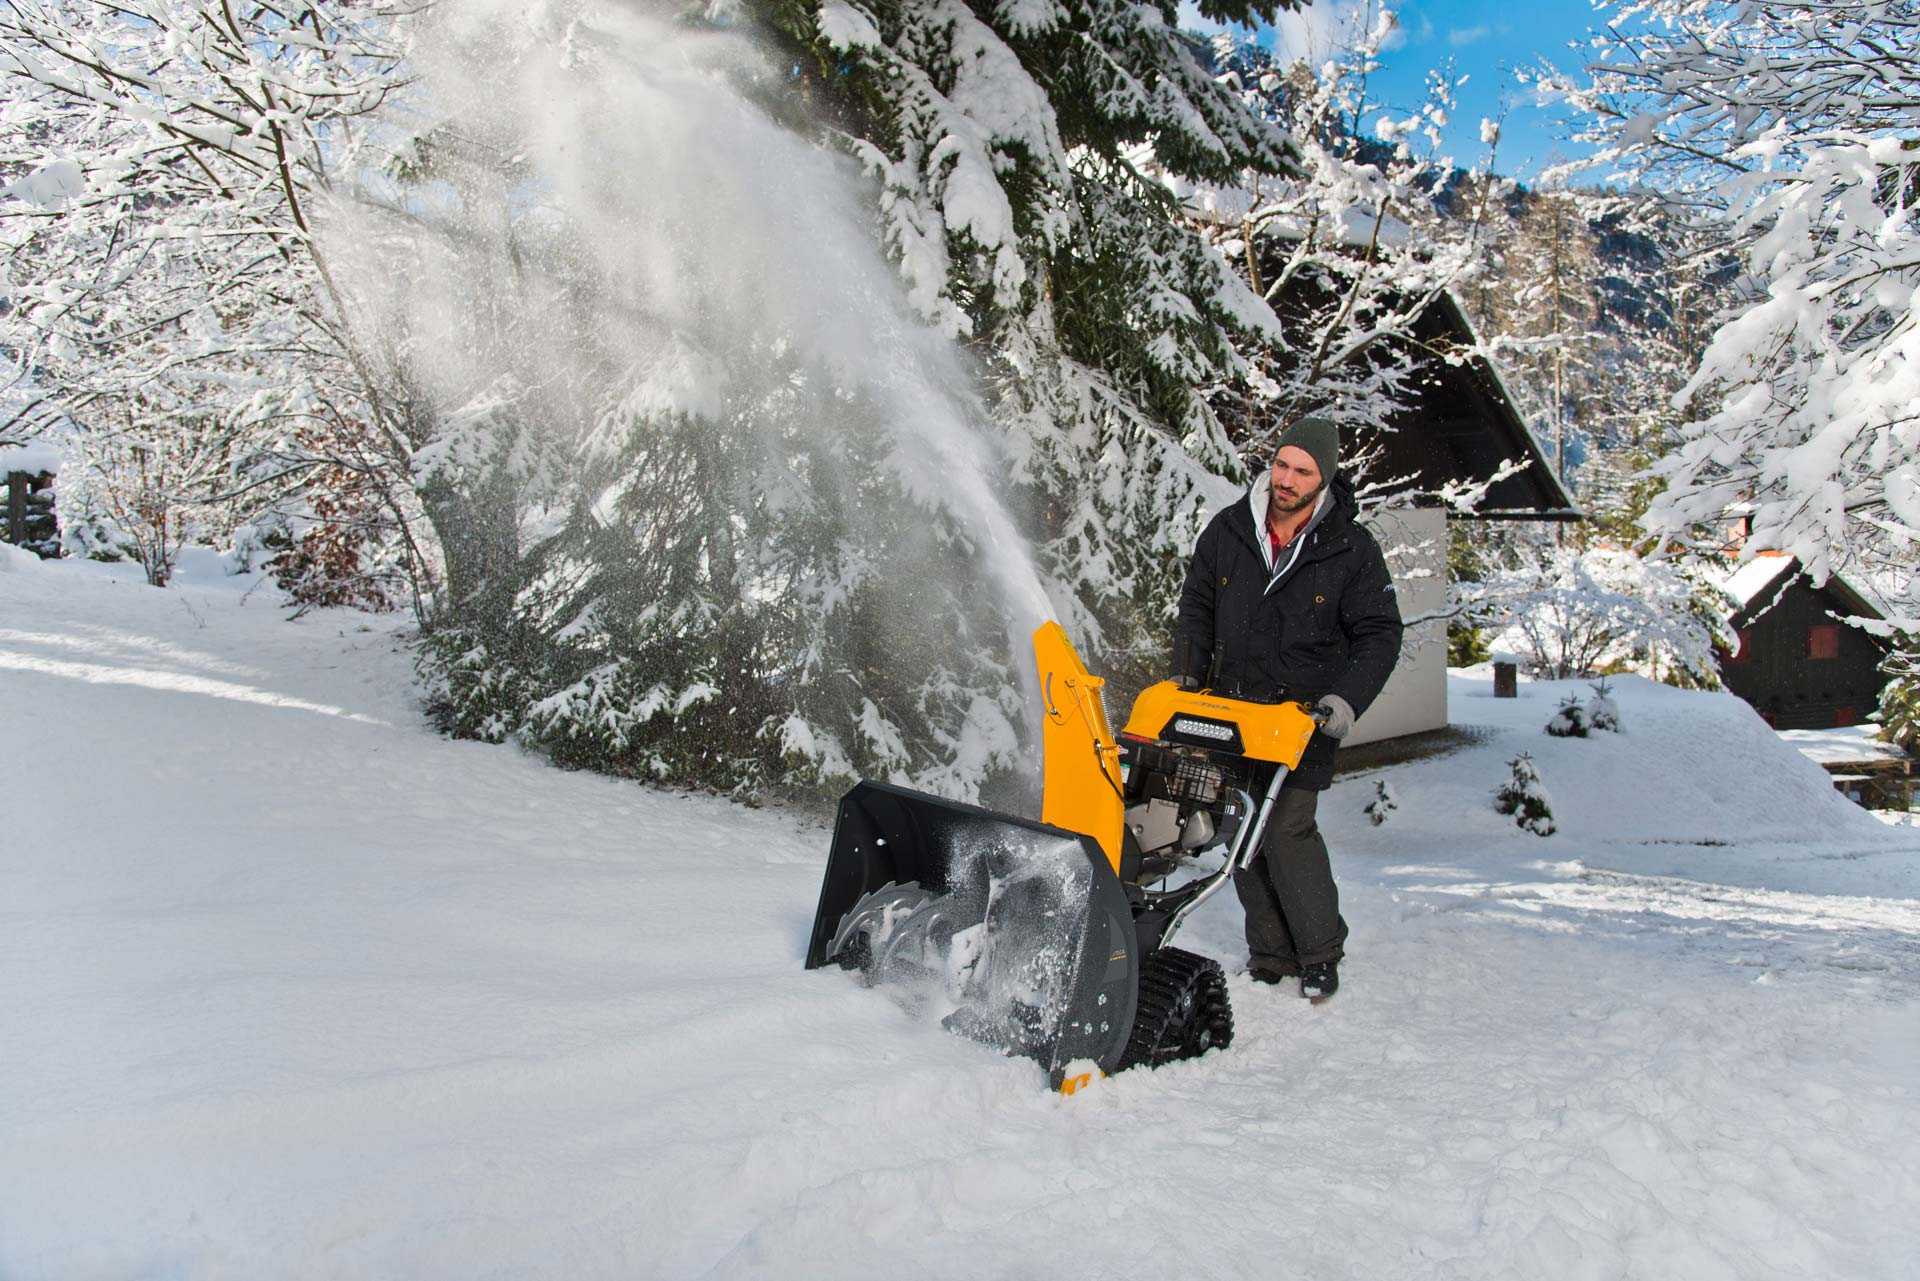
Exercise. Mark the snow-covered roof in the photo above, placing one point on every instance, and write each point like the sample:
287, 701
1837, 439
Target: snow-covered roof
1486, 366
33, 457
1745, 582
1757, 581
1352, 227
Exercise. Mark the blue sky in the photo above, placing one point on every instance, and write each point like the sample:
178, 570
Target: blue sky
1484, 39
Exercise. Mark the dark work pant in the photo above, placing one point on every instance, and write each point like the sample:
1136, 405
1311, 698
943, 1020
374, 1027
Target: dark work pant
1293, 907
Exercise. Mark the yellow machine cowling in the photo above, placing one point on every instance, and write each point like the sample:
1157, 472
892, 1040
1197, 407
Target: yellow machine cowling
1277, 733
1083, 789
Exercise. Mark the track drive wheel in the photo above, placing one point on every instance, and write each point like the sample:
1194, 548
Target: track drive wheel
1183, 1011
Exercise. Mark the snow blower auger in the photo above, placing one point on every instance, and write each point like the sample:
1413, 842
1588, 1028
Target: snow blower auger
1052, 939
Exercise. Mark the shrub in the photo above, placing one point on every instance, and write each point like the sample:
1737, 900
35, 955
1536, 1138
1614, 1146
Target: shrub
1571, 721
1382, 804
1525, 797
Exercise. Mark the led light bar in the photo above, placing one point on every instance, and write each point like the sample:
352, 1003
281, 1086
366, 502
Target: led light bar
1202, 729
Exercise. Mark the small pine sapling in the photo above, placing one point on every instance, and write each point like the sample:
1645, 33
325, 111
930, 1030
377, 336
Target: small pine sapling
1382, 804
1571, 721
1525, 797
1602, 711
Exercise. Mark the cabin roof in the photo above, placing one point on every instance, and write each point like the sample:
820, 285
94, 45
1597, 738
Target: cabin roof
1758, 583
1466, 424
1502, 435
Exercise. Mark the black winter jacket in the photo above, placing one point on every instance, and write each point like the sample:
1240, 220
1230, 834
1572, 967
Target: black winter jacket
1330, 625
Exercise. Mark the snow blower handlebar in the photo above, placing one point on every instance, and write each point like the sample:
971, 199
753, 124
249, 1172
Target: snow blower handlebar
1246, 841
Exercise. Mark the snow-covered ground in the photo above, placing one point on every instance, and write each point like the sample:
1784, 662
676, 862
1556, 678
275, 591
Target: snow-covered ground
296, 989
1844, 743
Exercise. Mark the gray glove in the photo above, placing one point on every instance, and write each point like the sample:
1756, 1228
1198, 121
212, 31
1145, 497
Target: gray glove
1336, 716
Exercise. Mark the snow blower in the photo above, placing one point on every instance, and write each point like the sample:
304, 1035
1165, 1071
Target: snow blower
1053, 939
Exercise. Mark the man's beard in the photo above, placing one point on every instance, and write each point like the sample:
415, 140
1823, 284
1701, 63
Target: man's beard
1297, 504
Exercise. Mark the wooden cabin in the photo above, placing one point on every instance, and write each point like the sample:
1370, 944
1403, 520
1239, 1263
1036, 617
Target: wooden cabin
1798, 663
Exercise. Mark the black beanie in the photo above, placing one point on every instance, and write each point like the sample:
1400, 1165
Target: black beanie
1320, 438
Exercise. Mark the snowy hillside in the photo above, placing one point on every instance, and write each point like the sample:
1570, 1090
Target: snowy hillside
297, 989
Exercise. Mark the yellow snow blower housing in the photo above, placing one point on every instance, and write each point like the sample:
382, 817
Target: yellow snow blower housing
1276, 733
1051, 939
1084, 786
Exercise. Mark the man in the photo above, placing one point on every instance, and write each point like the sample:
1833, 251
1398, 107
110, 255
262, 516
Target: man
1288, 597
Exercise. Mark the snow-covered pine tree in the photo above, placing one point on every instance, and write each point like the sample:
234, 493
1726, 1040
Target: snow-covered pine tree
765, 561
1664, 280
805, 621
1603, 712
1571, 720
1525, 797
1788, 124
1383, 803
1548, 316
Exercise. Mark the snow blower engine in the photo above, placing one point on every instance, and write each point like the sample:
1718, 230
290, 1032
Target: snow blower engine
1052, 939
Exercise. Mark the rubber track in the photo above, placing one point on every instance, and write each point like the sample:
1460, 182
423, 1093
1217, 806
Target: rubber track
1164, 977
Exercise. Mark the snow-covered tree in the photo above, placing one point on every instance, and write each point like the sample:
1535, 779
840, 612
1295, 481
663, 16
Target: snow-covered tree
1525, 797
750, 523
1570, 612
1352, 246
1383, 804
1578, 718
1569, 720
1663, 281
1548, 310
1789, 125
1603, 713
164, 163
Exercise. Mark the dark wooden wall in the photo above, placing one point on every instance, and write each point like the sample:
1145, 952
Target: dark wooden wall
27, 512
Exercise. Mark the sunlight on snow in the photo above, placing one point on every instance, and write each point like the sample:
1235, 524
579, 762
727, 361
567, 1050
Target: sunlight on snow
173, 683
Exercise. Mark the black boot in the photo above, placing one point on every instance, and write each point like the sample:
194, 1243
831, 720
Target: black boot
1266, 971
1319, 982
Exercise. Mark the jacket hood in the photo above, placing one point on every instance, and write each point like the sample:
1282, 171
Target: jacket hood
1342, 510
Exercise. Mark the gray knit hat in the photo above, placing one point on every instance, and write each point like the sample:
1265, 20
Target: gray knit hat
1319, 437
